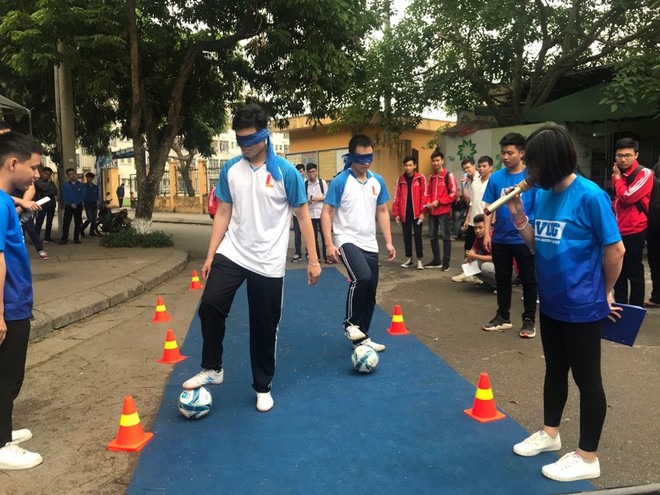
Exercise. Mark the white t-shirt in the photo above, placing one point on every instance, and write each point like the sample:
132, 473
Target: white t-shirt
314, 191
355, 205
257, 237
476, 200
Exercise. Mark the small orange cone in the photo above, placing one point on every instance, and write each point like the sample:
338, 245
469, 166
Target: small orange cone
131, 436
171, 354
195, 284
398, 327
483, 409
161, 312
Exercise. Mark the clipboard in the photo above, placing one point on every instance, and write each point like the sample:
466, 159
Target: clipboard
624, 331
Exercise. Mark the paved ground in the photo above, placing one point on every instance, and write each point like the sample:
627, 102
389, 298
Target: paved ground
78, 375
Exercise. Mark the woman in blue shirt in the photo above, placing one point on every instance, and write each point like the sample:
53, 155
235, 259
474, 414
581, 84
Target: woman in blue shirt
578, 259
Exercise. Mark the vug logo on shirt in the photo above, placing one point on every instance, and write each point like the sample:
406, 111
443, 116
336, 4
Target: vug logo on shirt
548, 230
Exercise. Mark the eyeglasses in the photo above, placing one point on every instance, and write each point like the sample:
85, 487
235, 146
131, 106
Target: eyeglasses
624, 157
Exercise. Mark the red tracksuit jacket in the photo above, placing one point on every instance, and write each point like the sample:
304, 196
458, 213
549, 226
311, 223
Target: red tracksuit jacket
436, 189
418, 186
629, 218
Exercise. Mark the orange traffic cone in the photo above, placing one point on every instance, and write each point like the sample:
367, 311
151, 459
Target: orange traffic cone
195, 284
171, 354
398, 327
161, 312
483, 409
131, 436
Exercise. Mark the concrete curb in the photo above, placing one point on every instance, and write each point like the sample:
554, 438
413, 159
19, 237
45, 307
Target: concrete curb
53, 315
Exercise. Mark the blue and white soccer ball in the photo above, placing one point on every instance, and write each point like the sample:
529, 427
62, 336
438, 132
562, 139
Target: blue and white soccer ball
196, 403
364, 359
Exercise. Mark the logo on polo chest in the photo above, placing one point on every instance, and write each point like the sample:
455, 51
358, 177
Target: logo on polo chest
549, 230
269, 181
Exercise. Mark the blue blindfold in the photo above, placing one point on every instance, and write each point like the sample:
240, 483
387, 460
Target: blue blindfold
259, 137
350, 158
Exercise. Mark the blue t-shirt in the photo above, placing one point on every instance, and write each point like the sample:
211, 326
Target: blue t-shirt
504, 232
570, 230
91, 193
18, 280
73, 194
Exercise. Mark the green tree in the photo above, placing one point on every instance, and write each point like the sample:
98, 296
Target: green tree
386, 88
509, 55
295, 55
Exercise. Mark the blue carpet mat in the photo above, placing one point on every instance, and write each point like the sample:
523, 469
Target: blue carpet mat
398, 430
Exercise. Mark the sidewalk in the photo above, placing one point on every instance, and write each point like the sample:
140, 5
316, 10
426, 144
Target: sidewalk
80, 280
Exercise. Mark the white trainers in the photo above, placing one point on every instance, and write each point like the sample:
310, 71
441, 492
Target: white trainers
408, 263
204, 377
459, 278
370, 343
572, 467
420, 265
20, 436
537, 443
354, 333
264, 401
13, 457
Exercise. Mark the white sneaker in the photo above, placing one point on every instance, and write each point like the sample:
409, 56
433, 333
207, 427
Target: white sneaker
537, 443
204, 377
354, 333
407, 264
370, 343
459, 278
572, 467
264, 401
20, 436
12, 457
420, 265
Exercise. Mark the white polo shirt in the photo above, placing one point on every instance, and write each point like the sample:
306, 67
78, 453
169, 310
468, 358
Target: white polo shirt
314, 191
476, 200
355, 205
257, 237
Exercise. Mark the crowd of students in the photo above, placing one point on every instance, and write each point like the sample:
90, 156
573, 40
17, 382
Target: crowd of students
567, 222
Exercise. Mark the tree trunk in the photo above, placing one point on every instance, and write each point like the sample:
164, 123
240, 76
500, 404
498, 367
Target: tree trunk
184, 171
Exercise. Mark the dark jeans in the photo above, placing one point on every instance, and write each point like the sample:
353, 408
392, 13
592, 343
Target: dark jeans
91, 207
410, 227
440, 224
574, 347
470, 237
316, 223
76, 214
48, 215
503, 256
31, 231
653, 251
632, 270
13, 352
265, 309
362, 267
459, 218
296, 237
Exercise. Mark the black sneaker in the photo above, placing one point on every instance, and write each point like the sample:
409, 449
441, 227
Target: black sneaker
433, 264
63, 241
527, 331
296, 259
497, 324
445, 268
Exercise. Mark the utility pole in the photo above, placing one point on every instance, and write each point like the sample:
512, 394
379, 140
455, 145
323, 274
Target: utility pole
64, 109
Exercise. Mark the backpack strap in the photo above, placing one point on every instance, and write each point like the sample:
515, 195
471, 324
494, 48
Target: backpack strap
629, 180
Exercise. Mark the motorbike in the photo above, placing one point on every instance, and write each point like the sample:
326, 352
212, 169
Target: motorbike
109, 222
